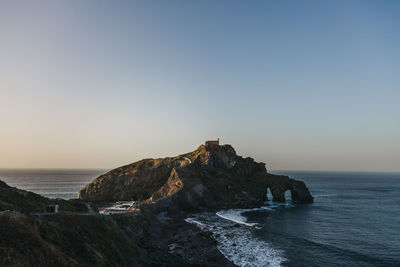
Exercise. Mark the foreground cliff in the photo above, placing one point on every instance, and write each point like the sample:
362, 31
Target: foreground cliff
15, 199
74, 237
69, 238
211, 177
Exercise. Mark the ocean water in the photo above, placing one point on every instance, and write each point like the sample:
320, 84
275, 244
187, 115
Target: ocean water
355, 220
53, 183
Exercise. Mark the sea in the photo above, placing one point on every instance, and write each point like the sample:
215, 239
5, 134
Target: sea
52, 183
354, 220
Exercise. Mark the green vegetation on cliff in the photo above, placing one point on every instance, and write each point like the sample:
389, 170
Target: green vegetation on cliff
64, 240
15, 199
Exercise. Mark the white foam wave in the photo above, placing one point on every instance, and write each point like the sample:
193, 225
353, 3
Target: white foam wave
193, 221
235, 215
267, 208
245, 250
238, 244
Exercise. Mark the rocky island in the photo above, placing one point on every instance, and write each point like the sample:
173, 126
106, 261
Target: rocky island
211, 178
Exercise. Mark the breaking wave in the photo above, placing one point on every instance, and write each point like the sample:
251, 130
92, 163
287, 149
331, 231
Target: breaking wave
235, 215
236, 236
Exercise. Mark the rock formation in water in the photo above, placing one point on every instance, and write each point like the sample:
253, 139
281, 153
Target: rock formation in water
211, 177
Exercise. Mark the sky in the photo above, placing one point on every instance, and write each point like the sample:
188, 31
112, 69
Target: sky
299, 85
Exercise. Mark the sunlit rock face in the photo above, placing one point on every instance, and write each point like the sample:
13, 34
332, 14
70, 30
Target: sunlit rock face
210, 177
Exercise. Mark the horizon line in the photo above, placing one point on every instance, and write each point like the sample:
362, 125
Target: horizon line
268, 170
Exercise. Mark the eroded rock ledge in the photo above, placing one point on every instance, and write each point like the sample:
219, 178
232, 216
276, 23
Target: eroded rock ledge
211, 177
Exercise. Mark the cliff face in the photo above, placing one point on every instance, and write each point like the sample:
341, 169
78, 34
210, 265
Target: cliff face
209, 178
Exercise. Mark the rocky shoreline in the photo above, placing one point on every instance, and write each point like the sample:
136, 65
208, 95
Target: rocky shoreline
174, 242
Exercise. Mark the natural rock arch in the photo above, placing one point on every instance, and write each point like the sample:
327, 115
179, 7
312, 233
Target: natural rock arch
298, 190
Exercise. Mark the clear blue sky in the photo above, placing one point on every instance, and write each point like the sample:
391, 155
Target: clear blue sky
300, 85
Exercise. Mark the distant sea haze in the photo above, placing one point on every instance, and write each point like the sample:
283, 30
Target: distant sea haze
355, 220
53, 183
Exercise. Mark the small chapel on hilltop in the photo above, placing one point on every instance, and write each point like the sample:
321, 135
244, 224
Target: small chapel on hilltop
212, 142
